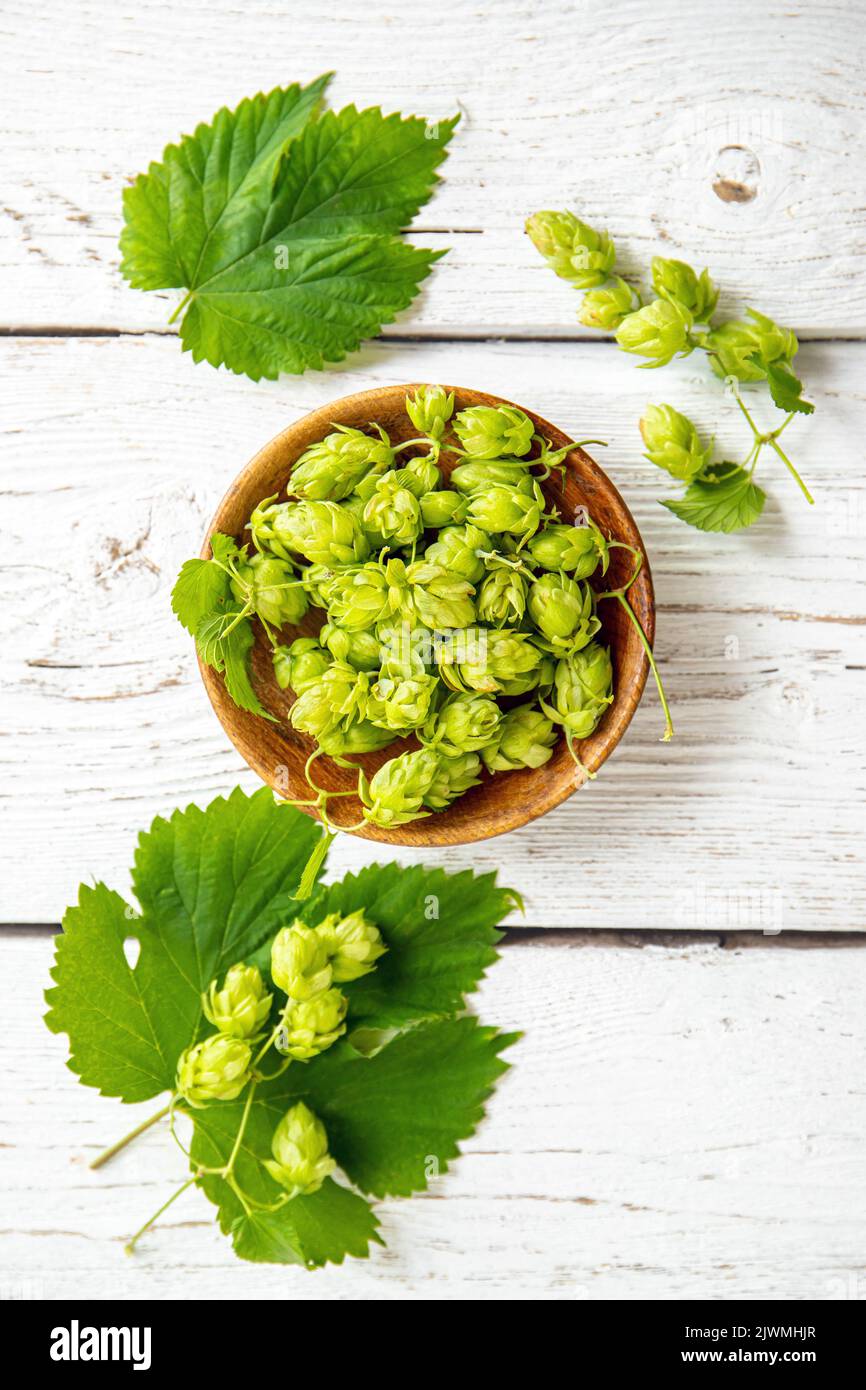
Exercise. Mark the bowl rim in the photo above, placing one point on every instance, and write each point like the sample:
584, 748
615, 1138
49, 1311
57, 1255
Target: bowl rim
512, 816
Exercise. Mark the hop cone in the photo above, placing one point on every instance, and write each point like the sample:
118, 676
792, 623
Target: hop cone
301, 1161
216, 1069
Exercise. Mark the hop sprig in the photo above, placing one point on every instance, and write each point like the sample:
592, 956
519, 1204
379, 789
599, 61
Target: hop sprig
675, 323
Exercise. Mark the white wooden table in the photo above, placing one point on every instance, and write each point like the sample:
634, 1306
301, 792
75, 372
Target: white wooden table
686, 1113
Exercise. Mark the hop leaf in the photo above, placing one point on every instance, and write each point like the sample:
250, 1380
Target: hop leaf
212, 886
283, 229
725, 500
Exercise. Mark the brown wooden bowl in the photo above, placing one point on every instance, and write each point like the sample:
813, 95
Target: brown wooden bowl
277, 753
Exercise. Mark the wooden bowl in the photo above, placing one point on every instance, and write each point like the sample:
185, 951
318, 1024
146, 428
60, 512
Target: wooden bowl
277, 753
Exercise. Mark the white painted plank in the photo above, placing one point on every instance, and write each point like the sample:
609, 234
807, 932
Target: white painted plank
649, 119
116, 452
678, 1123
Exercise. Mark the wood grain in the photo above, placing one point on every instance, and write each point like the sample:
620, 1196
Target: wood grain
678, 1123
116, 452
675, 126
279, 754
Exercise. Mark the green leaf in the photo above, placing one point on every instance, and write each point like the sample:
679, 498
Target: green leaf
326, 1226
786, 388
286, 242
725, 499
201, 589
183, 215
225, 644
212, 886
121, 1025
440, 932
395, 1119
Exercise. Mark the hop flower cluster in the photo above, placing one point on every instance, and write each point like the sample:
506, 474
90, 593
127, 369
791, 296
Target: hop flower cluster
442, 598
307, 963
672, 322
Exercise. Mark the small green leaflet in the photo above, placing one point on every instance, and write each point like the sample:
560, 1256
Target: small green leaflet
283, 226
786, 388
202, 601
725, 499
213, 888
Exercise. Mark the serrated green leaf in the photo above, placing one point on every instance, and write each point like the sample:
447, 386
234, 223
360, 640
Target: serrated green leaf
440, 932
262, 318
200, 588
395, 1119
291, 258
786, 389
183, 216
212, 886
121, 1025
725, 499
225, 644
323, 1227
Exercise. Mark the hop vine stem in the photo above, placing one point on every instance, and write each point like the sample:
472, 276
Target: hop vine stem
128, 1138
772, 439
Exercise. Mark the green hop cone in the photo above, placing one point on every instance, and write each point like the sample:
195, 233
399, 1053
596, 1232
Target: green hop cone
456, 549
454, 776
403, 704
311, 1026
466, 723
358, 598
339, 695
261, 527
354, 945
216, 1069
673, 443
440, 599
364, 737
323, 532
444, 507
360, 650
502, 596
563, 610
419, 475
299, 962
300, 665
608, 306
744, 349
471, 478
319, 581
430, 409
301, 1161
393, 512
658, 332
330, 469
272, 587
242, 1005
525, 739
491, 431
395, 794
490, 661
576, 549
676, 281
507, 509
583, 689
574, 250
